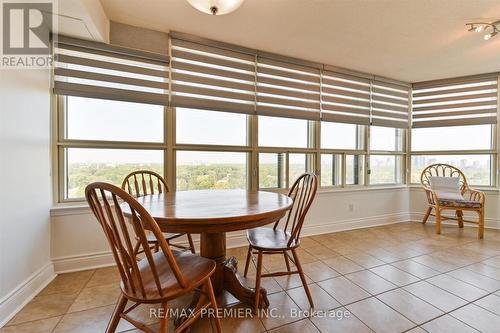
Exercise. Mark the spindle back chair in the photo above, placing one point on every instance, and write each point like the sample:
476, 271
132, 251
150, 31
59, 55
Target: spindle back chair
159, 277
286, 239
144, 182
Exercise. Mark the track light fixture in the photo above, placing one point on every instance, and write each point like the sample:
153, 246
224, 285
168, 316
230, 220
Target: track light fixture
491, 29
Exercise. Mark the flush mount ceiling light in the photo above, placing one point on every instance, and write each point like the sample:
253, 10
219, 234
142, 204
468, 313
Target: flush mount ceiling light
491, 29
216, 7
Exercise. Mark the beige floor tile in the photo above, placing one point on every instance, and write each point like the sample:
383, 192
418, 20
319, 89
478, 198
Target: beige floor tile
345, 322
438, 297
476, 279
291, 281
365, 260
410, 306
384, 255
282, 310
89, 321
308, 242
322, 300
241, 319
379, 317
42, 307
343, 290
479, 318
415, 268
447, 324
490, 302
435, 263
68, 283
104, 276
321, 252
94, 297
269, 283
343, 265
319, 271
494, 262
302, 326
370, 282
416, 330
457, 287
484, 269
37, 326
394, 275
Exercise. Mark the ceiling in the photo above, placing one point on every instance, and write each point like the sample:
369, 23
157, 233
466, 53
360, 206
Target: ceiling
408, 40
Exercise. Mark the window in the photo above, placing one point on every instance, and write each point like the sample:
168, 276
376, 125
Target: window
106, 120
298, 164
283, 132
470, 148
272, 170
477, 168
210, 127
341, 136
203, 170
385, 169
355, 169
331, 169
86, 165
474, 137
386, 138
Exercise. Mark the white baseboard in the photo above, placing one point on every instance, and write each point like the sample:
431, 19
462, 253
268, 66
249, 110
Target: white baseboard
25, 292
233, 239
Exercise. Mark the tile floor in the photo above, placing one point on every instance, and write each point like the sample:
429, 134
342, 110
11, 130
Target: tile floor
394, 278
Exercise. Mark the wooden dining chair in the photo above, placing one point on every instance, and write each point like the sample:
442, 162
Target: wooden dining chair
462, 198
145, 182
158, 278
286, 240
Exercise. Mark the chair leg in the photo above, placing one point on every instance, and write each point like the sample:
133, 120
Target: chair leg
438, 221
213, 302
247, 263
427, 213
164, 319
481, 224
287, 262
460, 218
257, 280
191, 243
115, 318
302, 277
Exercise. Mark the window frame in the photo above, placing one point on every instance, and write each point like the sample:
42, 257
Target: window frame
170, 147
493, 151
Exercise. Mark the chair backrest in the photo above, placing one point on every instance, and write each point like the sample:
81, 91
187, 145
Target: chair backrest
144, 182
302, 192
104, 200
443, 170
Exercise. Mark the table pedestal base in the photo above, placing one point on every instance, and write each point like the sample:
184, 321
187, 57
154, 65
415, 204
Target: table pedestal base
226, 276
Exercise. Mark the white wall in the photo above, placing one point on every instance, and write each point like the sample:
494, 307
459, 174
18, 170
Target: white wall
78, 241
25, 195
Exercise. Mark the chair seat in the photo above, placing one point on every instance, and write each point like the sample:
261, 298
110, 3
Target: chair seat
195, 270
168, 236
269, 239
459, 203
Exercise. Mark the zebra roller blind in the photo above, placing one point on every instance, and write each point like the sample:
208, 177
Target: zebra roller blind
206, 77
390, 104
287, 90
345, 98
97, 70
469, 101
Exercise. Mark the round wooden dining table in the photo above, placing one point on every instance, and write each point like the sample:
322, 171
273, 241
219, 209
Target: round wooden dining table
212, 213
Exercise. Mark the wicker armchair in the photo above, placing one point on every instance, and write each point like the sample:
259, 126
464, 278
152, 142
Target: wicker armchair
473, 200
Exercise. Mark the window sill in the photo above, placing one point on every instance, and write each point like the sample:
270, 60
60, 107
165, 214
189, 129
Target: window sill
81, 207
487, 190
